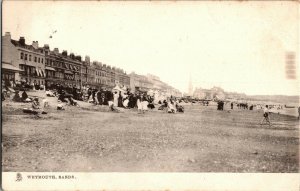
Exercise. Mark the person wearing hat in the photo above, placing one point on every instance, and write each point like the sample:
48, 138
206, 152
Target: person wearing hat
35, 104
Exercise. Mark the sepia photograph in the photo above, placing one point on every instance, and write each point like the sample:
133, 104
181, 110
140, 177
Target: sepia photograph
175, 87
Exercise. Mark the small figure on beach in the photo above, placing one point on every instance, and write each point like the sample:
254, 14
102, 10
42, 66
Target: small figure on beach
266, 116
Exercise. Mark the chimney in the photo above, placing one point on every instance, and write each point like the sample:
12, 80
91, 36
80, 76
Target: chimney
46, 46
78, 58
64, 53
72, 55
35, 44
87, 59
56, 51
22, 41
7, 34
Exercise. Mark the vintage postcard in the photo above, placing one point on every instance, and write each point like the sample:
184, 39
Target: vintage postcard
150, 95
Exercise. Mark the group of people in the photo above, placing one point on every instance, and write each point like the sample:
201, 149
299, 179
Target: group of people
115, 98
242, 105
124, 99
37, 107
23, 98
171, 105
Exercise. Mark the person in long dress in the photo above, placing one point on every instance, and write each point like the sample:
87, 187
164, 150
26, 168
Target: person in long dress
170, 106
120, 100
144, 103
116, 98
139, 103
125, 102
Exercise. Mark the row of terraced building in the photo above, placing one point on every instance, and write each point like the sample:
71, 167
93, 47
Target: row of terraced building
33, 65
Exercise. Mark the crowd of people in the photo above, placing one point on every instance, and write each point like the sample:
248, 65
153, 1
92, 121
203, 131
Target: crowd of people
115, 98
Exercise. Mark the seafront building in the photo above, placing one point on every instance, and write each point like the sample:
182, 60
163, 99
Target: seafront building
35, 65
216, 93
22, 62
151, 82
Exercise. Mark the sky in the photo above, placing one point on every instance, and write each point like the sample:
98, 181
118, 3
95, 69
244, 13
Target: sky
237, 45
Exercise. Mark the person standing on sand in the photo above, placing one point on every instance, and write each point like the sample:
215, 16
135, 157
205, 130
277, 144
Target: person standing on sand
231, 105
139, 103
299, 112
144, 102
266, 116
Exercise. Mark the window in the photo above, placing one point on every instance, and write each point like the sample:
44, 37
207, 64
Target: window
39, 60
29, 57
32, 70
35, 59
42, 60
25, 57
21, 55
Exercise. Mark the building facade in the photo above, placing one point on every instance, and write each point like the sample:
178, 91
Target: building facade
10, 67
151, 82
62, 68
36, 65
216, 93
139, 82
26, 62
